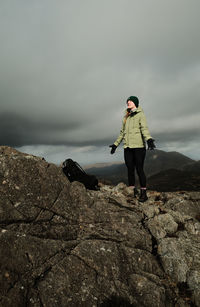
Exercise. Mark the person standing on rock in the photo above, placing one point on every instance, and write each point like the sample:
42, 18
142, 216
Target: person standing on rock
134, 133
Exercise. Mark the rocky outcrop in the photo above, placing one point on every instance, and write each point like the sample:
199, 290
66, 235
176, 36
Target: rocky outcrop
63, 245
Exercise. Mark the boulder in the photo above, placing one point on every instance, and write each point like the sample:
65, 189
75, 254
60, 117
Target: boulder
63, 245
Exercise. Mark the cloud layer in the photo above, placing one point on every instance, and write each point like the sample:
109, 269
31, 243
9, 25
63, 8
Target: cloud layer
67, 68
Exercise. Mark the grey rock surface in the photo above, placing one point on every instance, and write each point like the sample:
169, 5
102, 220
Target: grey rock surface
63, 245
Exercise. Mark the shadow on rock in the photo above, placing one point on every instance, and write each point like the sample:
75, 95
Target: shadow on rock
116, 301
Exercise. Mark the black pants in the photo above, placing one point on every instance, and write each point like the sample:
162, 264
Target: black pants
134, 158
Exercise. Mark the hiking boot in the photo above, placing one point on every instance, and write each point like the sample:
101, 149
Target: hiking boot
143, 195
135, 192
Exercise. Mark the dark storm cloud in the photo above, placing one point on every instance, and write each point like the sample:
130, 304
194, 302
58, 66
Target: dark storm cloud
67, 68
18, 130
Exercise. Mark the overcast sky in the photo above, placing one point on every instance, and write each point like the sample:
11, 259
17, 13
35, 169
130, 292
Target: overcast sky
68, 66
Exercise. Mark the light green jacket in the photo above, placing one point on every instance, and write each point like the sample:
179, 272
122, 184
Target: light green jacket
134, 131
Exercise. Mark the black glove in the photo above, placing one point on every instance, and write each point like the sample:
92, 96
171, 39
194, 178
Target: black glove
151, 144
113, 148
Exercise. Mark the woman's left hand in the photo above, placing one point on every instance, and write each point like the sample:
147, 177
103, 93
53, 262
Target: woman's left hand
151, 144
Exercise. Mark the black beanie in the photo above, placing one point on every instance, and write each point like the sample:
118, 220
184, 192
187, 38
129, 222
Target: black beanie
134, 99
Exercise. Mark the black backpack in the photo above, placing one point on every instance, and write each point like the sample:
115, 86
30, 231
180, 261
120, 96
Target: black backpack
74, 172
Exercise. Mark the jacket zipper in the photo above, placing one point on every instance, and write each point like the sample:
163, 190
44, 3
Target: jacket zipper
128, 131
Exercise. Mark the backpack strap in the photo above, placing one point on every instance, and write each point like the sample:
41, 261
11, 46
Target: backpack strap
80, 167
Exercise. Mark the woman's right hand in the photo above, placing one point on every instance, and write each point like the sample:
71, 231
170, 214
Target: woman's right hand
113, 146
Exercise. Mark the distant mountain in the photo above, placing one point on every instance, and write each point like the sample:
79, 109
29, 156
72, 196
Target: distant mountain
100, 165
176, 180
156, 161
159, 160
192, 167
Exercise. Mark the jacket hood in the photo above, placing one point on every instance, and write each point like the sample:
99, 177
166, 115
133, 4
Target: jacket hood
139, 109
